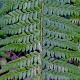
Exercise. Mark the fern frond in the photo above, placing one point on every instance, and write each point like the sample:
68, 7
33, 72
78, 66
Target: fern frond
53, 74
20, 22
17, 47
60, 53
60, 40
76, 21
30, 38
65, 24
61, 66
11, 5
60, 1
21, 73
30, 59
18, 15
49, 31
31, 27
62, 43
61, 9
21, 28
4, 55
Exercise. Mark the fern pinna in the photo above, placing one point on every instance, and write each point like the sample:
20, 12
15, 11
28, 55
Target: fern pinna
20, 28
39, 40
61, 35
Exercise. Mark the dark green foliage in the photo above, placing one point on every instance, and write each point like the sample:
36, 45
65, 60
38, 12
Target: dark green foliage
20, 28
40, 40
61, 36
